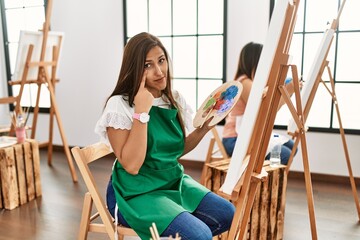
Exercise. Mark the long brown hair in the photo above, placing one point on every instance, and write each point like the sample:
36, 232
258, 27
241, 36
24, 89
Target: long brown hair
248, 60
132, 69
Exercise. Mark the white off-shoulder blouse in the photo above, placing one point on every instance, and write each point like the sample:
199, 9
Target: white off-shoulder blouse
118, 114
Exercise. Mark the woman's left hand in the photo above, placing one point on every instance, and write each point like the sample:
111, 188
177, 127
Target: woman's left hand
205, 126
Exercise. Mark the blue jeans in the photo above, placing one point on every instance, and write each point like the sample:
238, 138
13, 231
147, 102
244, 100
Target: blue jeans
286, 149
212, 217
229, 145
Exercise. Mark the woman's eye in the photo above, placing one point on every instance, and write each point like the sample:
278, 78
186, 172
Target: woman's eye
161, 60
147, 65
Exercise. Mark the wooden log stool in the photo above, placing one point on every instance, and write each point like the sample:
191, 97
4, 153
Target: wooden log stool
267, 214
19, 174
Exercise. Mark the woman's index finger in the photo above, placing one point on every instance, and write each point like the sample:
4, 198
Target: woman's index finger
143, 80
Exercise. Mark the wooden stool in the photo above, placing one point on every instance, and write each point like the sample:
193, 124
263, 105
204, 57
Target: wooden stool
216, 154
19, 174
267, 214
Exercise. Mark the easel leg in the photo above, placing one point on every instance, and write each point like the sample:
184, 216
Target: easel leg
36, 111
59, 122
52, 112
351, 176
51, 127
342, 132
234, 229
249, 204
66, 146
308, 184
51, 123
243, 209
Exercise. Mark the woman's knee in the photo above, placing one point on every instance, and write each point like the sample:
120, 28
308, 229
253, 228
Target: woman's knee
188, 227
229, 145
290, 144
285, 155
215, 212
286, 150
226, 218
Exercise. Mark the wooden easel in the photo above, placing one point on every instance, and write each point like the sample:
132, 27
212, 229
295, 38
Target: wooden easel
49, 80
257, 177
342, 132
243, 193
300, 124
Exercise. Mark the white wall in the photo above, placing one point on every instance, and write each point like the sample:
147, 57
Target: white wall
91, 58
89, 65
247, 21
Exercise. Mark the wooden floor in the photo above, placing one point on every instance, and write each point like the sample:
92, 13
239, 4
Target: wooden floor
56, 215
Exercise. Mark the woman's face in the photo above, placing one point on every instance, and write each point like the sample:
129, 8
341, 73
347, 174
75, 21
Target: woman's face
156, 66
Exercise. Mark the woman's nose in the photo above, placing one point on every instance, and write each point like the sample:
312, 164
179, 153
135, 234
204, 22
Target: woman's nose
158, 70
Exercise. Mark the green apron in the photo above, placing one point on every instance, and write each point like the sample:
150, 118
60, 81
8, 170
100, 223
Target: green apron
161, 190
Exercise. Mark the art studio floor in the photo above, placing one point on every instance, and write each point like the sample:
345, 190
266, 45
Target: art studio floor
56, 215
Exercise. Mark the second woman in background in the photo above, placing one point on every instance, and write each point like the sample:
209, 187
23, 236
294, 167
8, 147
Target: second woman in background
247, 65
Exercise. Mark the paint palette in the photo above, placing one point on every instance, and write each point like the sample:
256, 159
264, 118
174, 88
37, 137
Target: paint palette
218, 104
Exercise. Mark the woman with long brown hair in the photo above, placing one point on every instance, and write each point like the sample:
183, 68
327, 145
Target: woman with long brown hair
144, 122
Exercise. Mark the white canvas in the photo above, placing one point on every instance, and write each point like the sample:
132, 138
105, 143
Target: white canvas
320, 56
35, 37
237, 166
